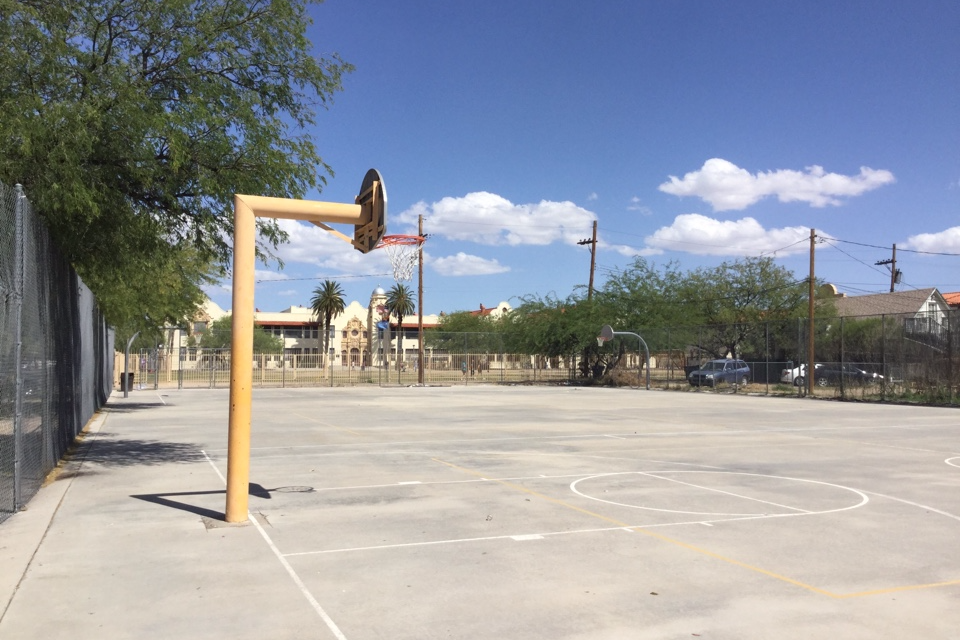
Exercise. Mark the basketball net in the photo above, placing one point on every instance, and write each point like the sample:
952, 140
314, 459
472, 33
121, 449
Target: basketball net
404, 254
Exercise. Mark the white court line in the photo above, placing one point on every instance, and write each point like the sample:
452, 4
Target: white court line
864, 500
334, 629
729, 493
950, 461
428, 483
539, 536
914, 504
161, 398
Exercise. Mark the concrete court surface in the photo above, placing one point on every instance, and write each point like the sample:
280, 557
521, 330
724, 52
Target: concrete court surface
496, 513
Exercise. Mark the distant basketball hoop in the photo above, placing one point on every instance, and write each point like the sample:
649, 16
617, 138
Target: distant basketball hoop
606, 333
404, 253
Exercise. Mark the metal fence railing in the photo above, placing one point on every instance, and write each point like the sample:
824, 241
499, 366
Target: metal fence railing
56, 353
889, 357
909, 357
197, 368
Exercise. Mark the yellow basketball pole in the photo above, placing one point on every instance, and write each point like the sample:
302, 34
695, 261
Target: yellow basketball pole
241, 361
370, 209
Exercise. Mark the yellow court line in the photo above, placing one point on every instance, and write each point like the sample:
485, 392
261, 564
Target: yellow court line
327, 424
706, 552
907, 587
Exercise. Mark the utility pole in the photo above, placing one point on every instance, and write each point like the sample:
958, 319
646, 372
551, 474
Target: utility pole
894, 273
420, 303
593, 258
811, 354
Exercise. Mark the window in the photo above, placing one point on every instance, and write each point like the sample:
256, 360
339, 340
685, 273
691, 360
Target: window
199, 327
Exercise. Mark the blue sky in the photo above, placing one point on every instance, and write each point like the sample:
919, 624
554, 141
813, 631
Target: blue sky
694, 132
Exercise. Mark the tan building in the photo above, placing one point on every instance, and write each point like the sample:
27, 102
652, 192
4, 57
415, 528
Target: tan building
361, 336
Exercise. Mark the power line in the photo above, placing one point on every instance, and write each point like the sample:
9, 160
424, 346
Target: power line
873, 246
366, 275
854, 258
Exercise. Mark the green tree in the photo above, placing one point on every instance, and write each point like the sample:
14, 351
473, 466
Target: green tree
553, 328
219, 335
131, 125
467, 331
645, 295
401, 302
327, 303
736, 298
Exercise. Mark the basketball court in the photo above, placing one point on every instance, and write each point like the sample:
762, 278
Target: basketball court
523, 512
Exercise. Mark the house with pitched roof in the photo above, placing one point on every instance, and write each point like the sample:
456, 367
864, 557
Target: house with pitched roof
924, 311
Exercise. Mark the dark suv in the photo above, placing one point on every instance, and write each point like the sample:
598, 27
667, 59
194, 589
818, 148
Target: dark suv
716, 371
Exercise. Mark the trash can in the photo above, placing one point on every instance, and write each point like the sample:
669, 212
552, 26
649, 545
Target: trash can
126, 382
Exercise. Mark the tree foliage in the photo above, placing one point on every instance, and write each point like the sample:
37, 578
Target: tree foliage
645, 295
401, 302
132, 124
556, 328
467, 331
327, 303
721, 310
735, 298
219, 335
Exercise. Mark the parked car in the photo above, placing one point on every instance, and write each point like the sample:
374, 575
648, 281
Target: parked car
797, 375
829, 373
717, 371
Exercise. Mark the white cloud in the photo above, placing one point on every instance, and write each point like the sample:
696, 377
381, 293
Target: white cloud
726, 186
593, 196
630, 252
261, 275
486, 218
946, 241
697, 234
467, 265
636, 204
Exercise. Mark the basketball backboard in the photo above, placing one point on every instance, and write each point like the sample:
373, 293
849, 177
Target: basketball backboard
373, 220
606, 332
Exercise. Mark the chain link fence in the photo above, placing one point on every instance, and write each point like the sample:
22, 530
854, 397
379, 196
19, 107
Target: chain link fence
56, 353
893, 357
460, 361
905, 357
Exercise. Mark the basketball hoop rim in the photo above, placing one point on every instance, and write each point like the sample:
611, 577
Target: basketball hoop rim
400, 240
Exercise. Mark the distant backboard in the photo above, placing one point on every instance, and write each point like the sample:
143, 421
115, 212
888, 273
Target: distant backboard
606, 332
373, 220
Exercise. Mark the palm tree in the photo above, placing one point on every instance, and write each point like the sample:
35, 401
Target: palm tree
327, 303
400, 300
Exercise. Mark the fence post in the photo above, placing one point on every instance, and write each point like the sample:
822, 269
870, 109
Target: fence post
669, 357
843, 388
949, 361
503, 360
883, 357
766, 354
19, 264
